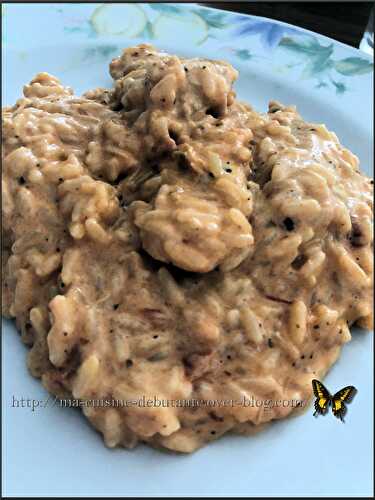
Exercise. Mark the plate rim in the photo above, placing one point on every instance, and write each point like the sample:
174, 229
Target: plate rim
191, 6
295, 26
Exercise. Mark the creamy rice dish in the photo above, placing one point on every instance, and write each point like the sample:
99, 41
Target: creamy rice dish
162, 239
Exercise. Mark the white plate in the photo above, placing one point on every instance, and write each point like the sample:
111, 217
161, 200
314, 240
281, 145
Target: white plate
52, 451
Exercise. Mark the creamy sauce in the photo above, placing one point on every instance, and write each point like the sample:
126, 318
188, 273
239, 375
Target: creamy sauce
163, 240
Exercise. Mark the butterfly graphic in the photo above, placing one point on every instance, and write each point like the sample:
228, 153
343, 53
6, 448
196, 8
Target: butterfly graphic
337, 401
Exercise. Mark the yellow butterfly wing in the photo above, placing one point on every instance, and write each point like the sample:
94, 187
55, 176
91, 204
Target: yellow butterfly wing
341, 397
323, 397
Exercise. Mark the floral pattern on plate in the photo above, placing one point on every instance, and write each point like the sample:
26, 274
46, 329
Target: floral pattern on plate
284, 49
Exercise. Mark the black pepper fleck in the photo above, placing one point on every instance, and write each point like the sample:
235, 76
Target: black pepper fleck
288, 224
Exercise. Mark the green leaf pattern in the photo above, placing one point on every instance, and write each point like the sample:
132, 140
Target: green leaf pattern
244, 54
353, 66
308, 55
318, 62
214, 19
165, 8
